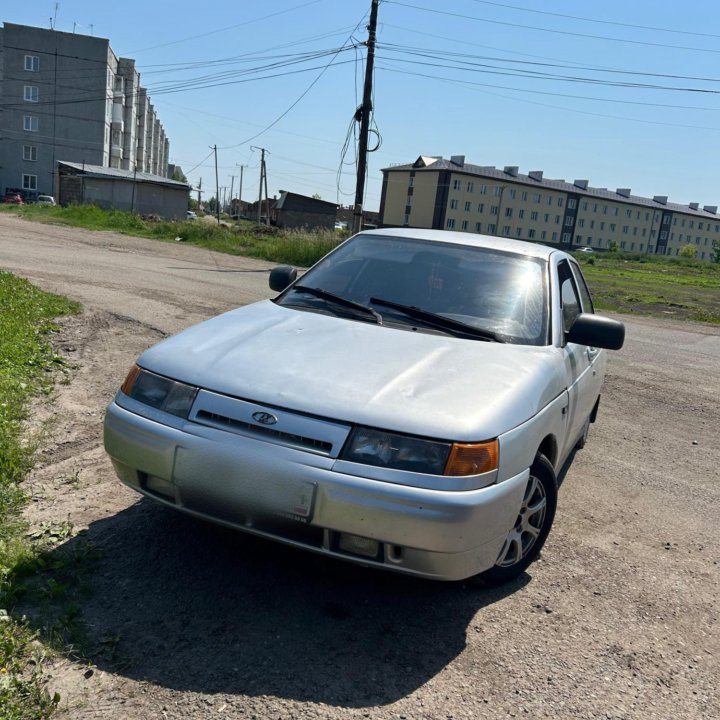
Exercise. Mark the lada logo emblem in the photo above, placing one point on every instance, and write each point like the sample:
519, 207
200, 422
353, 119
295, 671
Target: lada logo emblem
264, 418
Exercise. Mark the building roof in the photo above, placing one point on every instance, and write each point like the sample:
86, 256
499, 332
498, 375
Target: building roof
99, 171
295, 201
535, 179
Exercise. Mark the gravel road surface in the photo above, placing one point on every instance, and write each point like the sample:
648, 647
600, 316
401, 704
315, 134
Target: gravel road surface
619, 619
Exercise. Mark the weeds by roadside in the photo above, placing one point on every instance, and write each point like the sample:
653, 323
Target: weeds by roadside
27, 362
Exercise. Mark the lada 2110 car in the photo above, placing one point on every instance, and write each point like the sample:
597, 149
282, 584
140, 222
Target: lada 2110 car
405, 404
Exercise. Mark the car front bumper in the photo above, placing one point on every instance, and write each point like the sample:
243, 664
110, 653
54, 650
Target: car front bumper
237, 481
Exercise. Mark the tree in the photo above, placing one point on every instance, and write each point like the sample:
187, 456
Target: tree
178, 175
716, 250
688, 251
317, 196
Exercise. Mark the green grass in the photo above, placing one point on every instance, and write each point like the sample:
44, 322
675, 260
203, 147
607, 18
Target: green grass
650, 285
246, 238
26, 364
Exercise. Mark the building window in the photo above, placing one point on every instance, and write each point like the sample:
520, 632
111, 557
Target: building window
641, 247
550, 200
32, 63
483, 189
578, 239
622, 245
468, 205
494, 209
531, 233
589, 240
592, 224
450, 224
581, 222
518, 232
508, 212
506, 230
511, 191
521, 214
625, 229
453, 204
634, 231
612, 227
477, 227
29, 182
456, 184
523, 196
566, 237
470, 186
481, 207
537, 197
29, 153
546, 217
584, 205
568, 221
557, 219
30, 123
692, 224
554, 237
604, 209
30, 93
543, 234
560, 202
464, 225
498, 191
572, 203
534, 215
492, 228
628, 214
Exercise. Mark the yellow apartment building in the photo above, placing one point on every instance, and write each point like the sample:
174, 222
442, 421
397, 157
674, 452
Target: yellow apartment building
451, 194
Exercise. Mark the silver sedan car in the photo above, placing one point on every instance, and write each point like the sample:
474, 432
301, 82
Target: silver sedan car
405, 404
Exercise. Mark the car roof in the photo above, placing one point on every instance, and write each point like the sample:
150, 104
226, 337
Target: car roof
521, 247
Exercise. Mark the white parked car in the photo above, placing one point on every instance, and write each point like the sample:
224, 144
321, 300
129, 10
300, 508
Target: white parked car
45, 200
191, 215
405, 404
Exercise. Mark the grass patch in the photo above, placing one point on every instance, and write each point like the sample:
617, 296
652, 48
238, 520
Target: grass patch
27, 362
244, 238
652, 285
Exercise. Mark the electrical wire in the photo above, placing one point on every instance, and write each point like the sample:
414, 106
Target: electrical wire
550, 30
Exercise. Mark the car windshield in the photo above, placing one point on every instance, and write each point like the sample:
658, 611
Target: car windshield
501, 293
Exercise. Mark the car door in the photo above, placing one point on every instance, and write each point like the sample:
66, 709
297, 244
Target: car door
577, 359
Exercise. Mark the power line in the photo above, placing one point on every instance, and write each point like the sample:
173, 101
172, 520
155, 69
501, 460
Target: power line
549, 30
595, 20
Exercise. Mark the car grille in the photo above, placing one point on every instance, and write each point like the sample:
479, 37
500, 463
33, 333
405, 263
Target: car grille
285, 437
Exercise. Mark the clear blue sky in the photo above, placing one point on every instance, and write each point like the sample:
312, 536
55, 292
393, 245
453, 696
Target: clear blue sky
624, 94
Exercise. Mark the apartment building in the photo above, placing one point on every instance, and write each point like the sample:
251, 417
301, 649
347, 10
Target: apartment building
451, 194
68, 97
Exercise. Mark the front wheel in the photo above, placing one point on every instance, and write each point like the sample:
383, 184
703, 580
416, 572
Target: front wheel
528, 534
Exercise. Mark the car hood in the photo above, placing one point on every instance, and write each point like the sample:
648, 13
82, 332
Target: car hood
358, 372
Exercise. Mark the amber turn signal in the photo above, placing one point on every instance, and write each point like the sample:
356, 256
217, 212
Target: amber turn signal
472, 458
132, 376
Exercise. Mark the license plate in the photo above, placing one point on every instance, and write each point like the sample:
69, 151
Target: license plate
300, 502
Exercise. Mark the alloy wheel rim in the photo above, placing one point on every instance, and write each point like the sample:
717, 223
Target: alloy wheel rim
528, 525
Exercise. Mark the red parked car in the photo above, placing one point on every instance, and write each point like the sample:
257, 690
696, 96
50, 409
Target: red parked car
13, 199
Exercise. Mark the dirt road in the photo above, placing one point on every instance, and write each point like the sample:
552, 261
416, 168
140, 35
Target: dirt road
183, 620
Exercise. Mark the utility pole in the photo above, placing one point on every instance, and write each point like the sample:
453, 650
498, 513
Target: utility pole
199, 192
242, 167
364, 111
232, 182
263, 179
217, 187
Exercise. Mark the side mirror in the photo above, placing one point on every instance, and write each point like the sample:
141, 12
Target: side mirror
281, 277
596, 331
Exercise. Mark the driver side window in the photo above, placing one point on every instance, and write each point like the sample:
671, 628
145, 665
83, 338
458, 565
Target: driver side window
569, 300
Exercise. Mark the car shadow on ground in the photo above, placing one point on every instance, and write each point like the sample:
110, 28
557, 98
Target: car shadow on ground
194, 607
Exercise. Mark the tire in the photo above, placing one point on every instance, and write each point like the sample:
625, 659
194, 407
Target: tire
527, 536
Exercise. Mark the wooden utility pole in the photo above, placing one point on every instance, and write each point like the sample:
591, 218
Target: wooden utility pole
263, 181
365, 111
217, 187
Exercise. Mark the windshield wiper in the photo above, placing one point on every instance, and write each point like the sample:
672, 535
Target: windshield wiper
338, 300
440, 322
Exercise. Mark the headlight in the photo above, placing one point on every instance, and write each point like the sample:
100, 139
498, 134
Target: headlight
159, 392
402, 452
